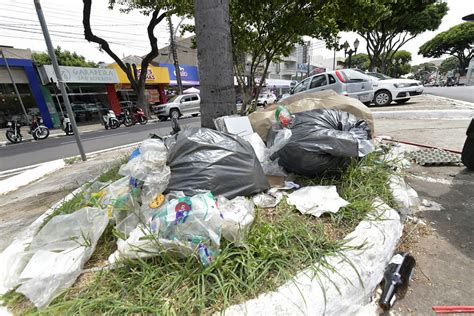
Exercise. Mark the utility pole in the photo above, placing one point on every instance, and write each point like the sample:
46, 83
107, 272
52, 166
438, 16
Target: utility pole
175, 57
309, 57
15, 87
57, 72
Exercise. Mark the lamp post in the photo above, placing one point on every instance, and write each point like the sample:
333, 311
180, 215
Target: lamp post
350, 51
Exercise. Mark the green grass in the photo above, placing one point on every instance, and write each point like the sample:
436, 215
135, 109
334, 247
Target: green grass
281, 242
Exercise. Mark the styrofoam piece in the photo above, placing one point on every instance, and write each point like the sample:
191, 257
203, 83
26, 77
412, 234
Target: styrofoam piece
316, 200
28, 176
405, 196
347, 286
257, 145
238, 125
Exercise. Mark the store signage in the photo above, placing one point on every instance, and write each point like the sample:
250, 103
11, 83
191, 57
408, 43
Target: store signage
302, 67
149, 74
188, 73
79, 74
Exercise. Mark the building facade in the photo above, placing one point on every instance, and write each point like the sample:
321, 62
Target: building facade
26, 79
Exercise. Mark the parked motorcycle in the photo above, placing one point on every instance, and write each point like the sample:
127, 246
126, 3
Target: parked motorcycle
67, 127
13, 132
110, 120
139, 116
37, 129
125, 118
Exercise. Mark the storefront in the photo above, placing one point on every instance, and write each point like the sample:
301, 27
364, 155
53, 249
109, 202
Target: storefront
91, 91
26, 80
156, 80
189, 74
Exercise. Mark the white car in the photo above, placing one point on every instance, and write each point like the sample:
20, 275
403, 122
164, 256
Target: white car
389, 89
179, 105
266, 98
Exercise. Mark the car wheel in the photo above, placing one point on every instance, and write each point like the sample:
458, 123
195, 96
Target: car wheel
383, 98
401, 101
174, 114
162, 118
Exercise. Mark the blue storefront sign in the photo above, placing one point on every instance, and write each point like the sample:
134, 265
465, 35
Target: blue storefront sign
189, 74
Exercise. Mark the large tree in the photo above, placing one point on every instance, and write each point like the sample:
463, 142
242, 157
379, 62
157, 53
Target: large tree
157, 10
215, 59
450, 63
359, 61
458, 41
399, 64
65, 58
266, 30
387, 25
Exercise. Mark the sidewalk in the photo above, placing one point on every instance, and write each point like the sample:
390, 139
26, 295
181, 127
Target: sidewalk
56, 132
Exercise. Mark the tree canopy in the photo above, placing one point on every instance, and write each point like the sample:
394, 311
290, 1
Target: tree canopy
457, 41
65, 58
399, 64
264, 31
450, 63
360, 61
387, 25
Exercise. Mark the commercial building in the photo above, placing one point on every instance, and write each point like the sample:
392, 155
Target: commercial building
91, 91
26, 79
185, 50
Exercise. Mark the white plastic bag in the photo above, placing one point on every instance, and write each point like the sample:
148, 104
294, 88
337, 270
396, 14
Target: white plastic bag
316, 200
267, 200
60, 250
406, 198
239, 215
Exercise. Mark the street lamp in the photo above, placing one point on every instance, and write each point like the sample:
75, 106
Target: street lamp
351, 51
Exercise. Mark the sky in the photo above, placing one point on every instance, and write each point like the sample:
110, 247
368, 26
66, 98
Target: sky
19, 27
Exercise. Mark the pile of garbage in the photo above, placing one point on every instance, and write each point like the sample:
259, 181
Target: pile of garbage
180, 194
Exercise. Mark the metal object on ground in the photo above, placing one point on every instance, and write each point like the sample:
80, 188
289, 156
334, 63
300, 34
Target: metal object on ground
439, 157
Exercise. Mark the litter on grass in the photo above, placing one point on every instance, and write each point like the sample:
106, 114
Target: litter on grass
405, 196
316, 200
58, 253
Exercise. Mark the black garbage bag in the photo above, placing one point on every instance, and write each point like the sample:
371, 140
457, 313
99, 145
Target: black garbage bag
468, 149
205, 159
323, 141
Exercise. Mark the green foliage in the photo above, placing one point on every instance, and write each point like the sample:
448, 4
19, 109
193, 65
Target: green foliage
263, 31
360, 61
387, 25
457, 42
65, 58
399, 64
423, 71
448, 64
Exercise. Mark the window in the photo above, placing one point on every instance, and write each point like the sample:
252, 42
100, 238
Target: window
303, 85
331, 79
186, 99
354, 76
194, 98
318, 81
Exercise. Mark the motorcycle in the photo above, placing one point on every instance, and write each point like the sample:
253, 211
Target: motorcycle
110, 120
67, 127
139, 116
13, 132
125, 119
37, 129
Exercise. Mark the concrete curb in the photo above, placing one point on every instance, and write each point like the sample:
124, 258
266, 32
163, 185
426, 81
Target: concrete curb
347, 287
28, 176
465, 103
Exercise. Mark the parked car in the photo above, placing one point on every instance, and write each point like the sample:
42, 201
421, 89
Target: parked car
346, 82
388, 89
179, 105
266, 98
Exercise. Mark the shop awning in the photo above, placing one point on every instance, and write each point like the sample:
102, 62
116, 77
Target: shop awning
78, 75
155, 75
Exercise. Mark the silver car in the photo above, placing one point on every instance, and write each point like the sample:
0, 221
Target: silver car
345, 82
184, 104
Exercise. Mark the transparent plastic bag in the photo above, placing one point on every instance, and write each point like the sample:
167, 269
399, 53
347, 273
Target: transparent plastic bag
60, 250
238, 215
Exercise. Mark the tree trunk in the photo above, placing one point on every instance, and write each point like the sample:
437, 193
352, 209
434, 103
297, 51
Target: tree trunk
142, 102
214, 52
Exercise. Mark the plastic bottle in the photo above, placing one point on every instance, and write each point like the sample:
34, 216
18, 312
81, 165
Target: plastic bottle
396, 278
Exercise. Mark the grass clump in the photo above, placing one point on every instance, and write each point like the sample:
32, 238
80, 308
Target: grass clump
281, 242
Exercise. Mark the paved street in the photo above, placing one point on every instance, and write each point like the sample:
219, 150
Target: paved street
463, 93
29, 153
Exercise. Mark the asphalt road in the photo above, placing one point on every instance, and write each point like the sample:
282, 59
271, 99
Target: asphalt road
463, 93
29, 153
